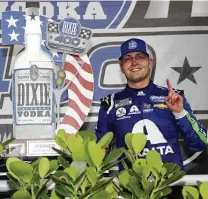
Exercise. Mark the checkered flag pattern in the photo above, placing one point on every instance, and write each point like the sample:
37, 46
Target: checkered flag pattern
53, 27
85, 33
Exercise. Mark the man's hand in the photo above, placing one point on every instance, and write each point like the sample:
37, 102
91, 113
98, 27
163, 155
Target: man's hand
174, 101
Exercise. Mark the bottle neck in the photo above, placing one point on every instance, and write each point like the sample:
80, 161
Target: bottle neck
33, 36
33, 42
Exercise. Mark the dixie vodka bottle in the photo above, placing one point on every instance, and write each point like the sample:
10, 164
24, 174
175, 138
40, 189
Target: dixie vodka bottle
33, 84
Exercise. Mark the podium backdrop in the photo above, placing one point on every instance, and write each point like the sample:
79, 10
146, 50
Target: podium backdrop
177, 34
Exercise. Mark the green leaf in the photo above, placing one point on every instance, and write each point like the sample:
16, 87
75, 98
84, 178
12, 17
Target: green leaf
170, 168
154, 160
79, 155
124, 178
87, 155
96, 153
55, 195
7, 142
135, 187
91, 174
188, 190
54, 165
21, 194
148, 186
84, 185
164, 192
43, 197
63, 153
62, 134
1, 148
13, 185
79, 181
22, 170
141, 168
73, 172
63, 178
76, 146
106, 140
129, 156
203, 189
139, 141
102, 194
15, 181
112, 156
102, 184
112, 190
63, 162
63, 181
9, 161
60, 142
178, 175
128, 141
35, 179
43, 167
125, 195
74, 141
64, 191
80, 165
87, 136
110, 165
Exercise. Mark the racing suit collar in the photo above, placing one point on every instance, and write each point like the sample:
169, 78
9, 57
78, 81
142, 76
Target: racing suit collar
141, 91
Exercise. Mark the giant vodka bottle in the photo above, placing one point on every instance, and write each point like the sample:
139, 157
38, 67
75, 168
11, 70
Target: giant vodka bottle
33, 84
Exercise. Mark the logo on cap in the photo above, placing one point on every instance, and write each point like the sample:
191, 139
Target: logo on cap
132, 45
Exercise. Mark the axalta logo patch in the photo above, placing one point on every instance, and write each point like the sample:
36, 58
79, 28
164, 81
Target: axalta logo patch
160, 106
134, 110
120, 112
157, 98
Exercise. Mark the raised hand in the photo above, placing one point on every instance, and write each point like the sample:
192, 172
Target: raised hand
174, 101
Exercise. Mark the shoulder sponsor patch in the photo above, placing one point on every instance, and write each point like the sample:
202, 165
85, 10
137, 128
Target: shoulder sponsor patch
124, 102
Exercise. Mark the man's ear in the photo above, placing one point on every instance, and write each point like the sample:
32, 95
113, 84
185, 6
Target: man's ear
150, 63
121, 68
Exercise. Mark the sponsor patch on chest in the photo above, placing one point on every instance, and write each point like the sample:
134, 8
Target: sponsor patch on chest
155, 98
124, 102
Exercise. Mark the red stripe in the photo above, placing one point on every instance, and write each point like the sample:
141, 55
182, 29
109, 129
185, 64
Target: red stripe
86, 67
70, 121
72, 104
82, 98
86, 84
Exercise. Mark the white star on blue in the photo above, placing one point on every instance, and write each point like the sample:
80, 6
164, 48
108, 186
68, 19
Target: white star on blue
8, 36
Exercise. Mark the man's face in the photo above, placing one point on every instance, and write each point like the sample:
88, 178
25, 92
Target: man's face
136, 66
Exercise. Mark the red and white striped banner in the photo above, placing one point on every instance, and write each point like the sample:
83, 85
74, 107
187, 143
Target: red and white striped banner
80, 92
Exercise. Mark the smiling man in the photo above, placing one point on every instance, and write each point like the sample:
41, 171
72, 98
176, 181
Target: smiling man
143, 107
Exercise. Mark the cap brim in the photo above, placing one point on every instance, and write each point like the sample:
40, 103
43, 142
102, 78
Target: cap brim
133, 51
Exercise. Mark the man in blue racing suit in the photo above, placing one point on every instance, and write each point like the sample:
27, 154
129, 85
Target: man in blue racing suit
159, 112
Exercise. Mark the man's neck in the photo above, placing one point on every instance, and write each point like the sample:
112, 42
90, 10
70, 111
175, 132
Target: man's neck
139, 85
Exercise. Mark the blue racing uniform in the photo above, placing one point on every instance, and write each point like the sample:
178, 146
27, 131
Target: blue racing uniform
144, 111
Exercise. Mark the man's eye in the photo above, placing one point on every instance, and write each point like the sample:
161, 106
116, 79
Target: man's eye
126, 59
140, 57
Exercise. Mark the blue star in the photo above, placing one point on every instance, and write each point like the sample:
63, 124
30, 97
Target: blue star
32, 16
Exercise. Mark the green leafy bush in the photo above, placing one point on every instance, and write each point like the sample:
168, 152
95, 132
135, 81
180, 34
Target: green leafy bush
146, 178
190, 192
77, 173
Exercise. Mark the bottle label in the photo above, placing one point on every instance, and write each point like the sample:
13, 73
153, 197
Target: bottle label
33, 101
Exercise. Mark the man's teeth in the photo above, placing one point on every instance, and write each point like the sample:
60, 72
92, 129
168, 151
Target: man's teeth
135, 69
